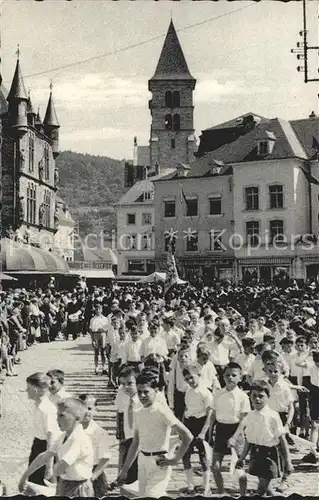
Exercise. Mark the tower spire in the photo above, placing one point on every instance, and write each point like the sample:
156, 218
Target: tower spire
51, 124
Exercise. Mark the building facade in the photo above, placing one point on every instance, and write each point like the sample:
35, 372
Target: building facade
194, 213
64, 237
172, 138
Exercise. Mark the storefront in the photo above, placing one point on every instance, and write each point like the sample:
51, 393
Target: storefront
208, 269
271, 269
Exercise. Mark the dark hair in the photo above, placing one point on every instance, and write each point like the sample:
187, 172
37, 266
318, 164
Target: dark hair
286, 341
232, 366
189, 370
248, 342
300, 339
147, 378
128, 371
269, 356
59, 374
268, 338
86, 397
130, 323
260, 386
202, 349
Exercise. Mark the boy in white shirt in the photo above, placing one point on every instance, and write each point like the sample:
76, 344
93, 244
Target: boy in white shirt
57, 390
154, 344
73, 452
154, 468
133, 347
176, 383
245, 360
101, 442
208, 373
198, 412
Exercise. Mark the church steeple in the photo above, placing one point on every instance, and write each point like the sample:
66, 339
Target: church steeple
51, 124
172, 139
18, 100
172, 63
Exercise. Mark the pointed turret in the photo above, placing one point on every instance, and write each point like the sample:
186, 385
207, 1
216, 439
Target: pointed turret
172, 64
18, 100
31, 114
38, 122
51, 124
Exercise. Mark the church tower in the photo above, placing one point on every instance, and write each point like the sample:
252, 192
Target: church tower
172, 139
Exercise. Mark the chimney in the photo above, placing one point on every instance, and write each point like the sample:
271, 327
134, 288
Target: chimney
312, 115
135, 152
157, 169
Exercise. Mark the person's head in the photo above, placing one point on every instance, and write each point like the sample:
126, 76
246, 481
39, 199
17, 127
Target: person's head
115, 322
282, 326
202, 354
219, 333
194, 317
269, 357
248, 345
253, 325
142, 318
190, 334
300, 344
313, 343
71, 411
286, 345
154, 327
183, 356
147, 385
56, 380
270, 341
261, 321
232, 375
37, 385
259, 394
191, 375
273, 370
122, 331
128, 376
315, 357
98, 309
209, 332
133, 330
90, 403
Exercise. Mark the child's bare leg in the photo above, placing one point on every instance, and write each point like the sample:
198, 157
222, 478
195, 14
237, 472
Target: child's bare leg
243, 484
263, 486
216, 466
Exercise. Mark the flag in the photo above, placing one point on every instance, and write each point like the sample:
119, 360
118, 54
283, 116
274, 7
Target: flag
183, 196
171, 272
315, 144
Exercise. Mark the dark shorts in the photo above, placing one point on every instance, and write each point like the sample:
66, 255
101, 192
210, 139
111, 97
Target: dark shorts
38, 446
195, 425
314, 403
82, 489
133, 470
284, 417
264, 462
223, 432
100, 485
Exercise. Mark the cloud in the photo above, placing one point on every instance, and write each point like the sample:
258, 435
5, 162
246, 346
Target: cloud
209, 89
98, 90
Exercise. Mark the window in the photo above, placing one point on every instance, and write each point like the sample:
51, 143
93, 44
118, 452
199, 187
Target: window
168, 122
136, 266
276, 229
215, 205
276, 199
146, 219
252, 198
191, 207
147, 195
169, 242
215, 239
173, 143
252, 233
31, 203
31, 151
169, 208
263, 148
176, 99
47, 208
46, 162
132, 242
131, 219
192, 242
168, 99
176, 122
147, 242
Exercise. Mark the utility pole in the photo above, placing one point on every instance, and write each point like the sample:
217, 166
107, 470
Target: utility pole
303, 49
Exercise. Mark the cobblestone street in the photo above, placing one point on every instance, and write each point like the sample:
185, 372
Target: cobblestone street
76, 359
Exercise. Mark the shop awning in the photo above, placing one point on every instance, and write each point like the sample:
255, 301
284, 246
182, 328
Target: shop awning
94, 273
19, 258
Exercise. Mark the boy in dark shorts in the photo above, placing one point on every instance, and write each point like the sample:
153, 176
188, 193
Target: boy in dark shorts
265, 439
230, 406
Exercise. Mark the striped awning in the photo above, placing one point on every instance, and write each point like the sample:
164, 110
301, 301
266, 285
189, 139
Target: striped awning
265, 261
21, 258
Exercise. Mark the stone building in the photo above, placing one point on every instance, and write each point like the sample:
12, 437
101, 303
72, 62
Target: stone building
29, 174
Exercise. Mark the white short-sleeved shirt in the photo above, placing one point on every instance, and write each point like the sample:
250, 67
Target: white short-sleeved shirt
132, 351
172, 339
45, 420
256, 370
100, 441
154, 425
198, 400
122, 402
229, 405
154, 345
219, 352
280, 396
59, 396
245, 361
99, 322
208, 375
77, 452
299, 371
121, 349
264, 427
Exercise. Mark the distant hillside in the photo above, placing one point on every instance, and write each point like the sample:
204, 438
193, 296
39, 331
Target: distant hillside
90, 185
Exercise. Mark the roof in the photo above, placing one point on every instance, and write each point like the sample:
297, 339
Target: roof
30, 109
3, 100
172, 64
17, 90
235, 122
306, 130
132, 195
99, 254
50, 114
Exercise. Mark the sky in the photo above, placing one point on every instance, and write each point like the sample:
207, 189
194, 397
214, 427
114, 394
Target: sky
238, 51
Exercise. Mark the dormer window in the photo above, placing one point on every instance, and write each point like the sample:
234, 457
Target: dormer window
266, 144
215, 170
147, 195
182, 170
263, 148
